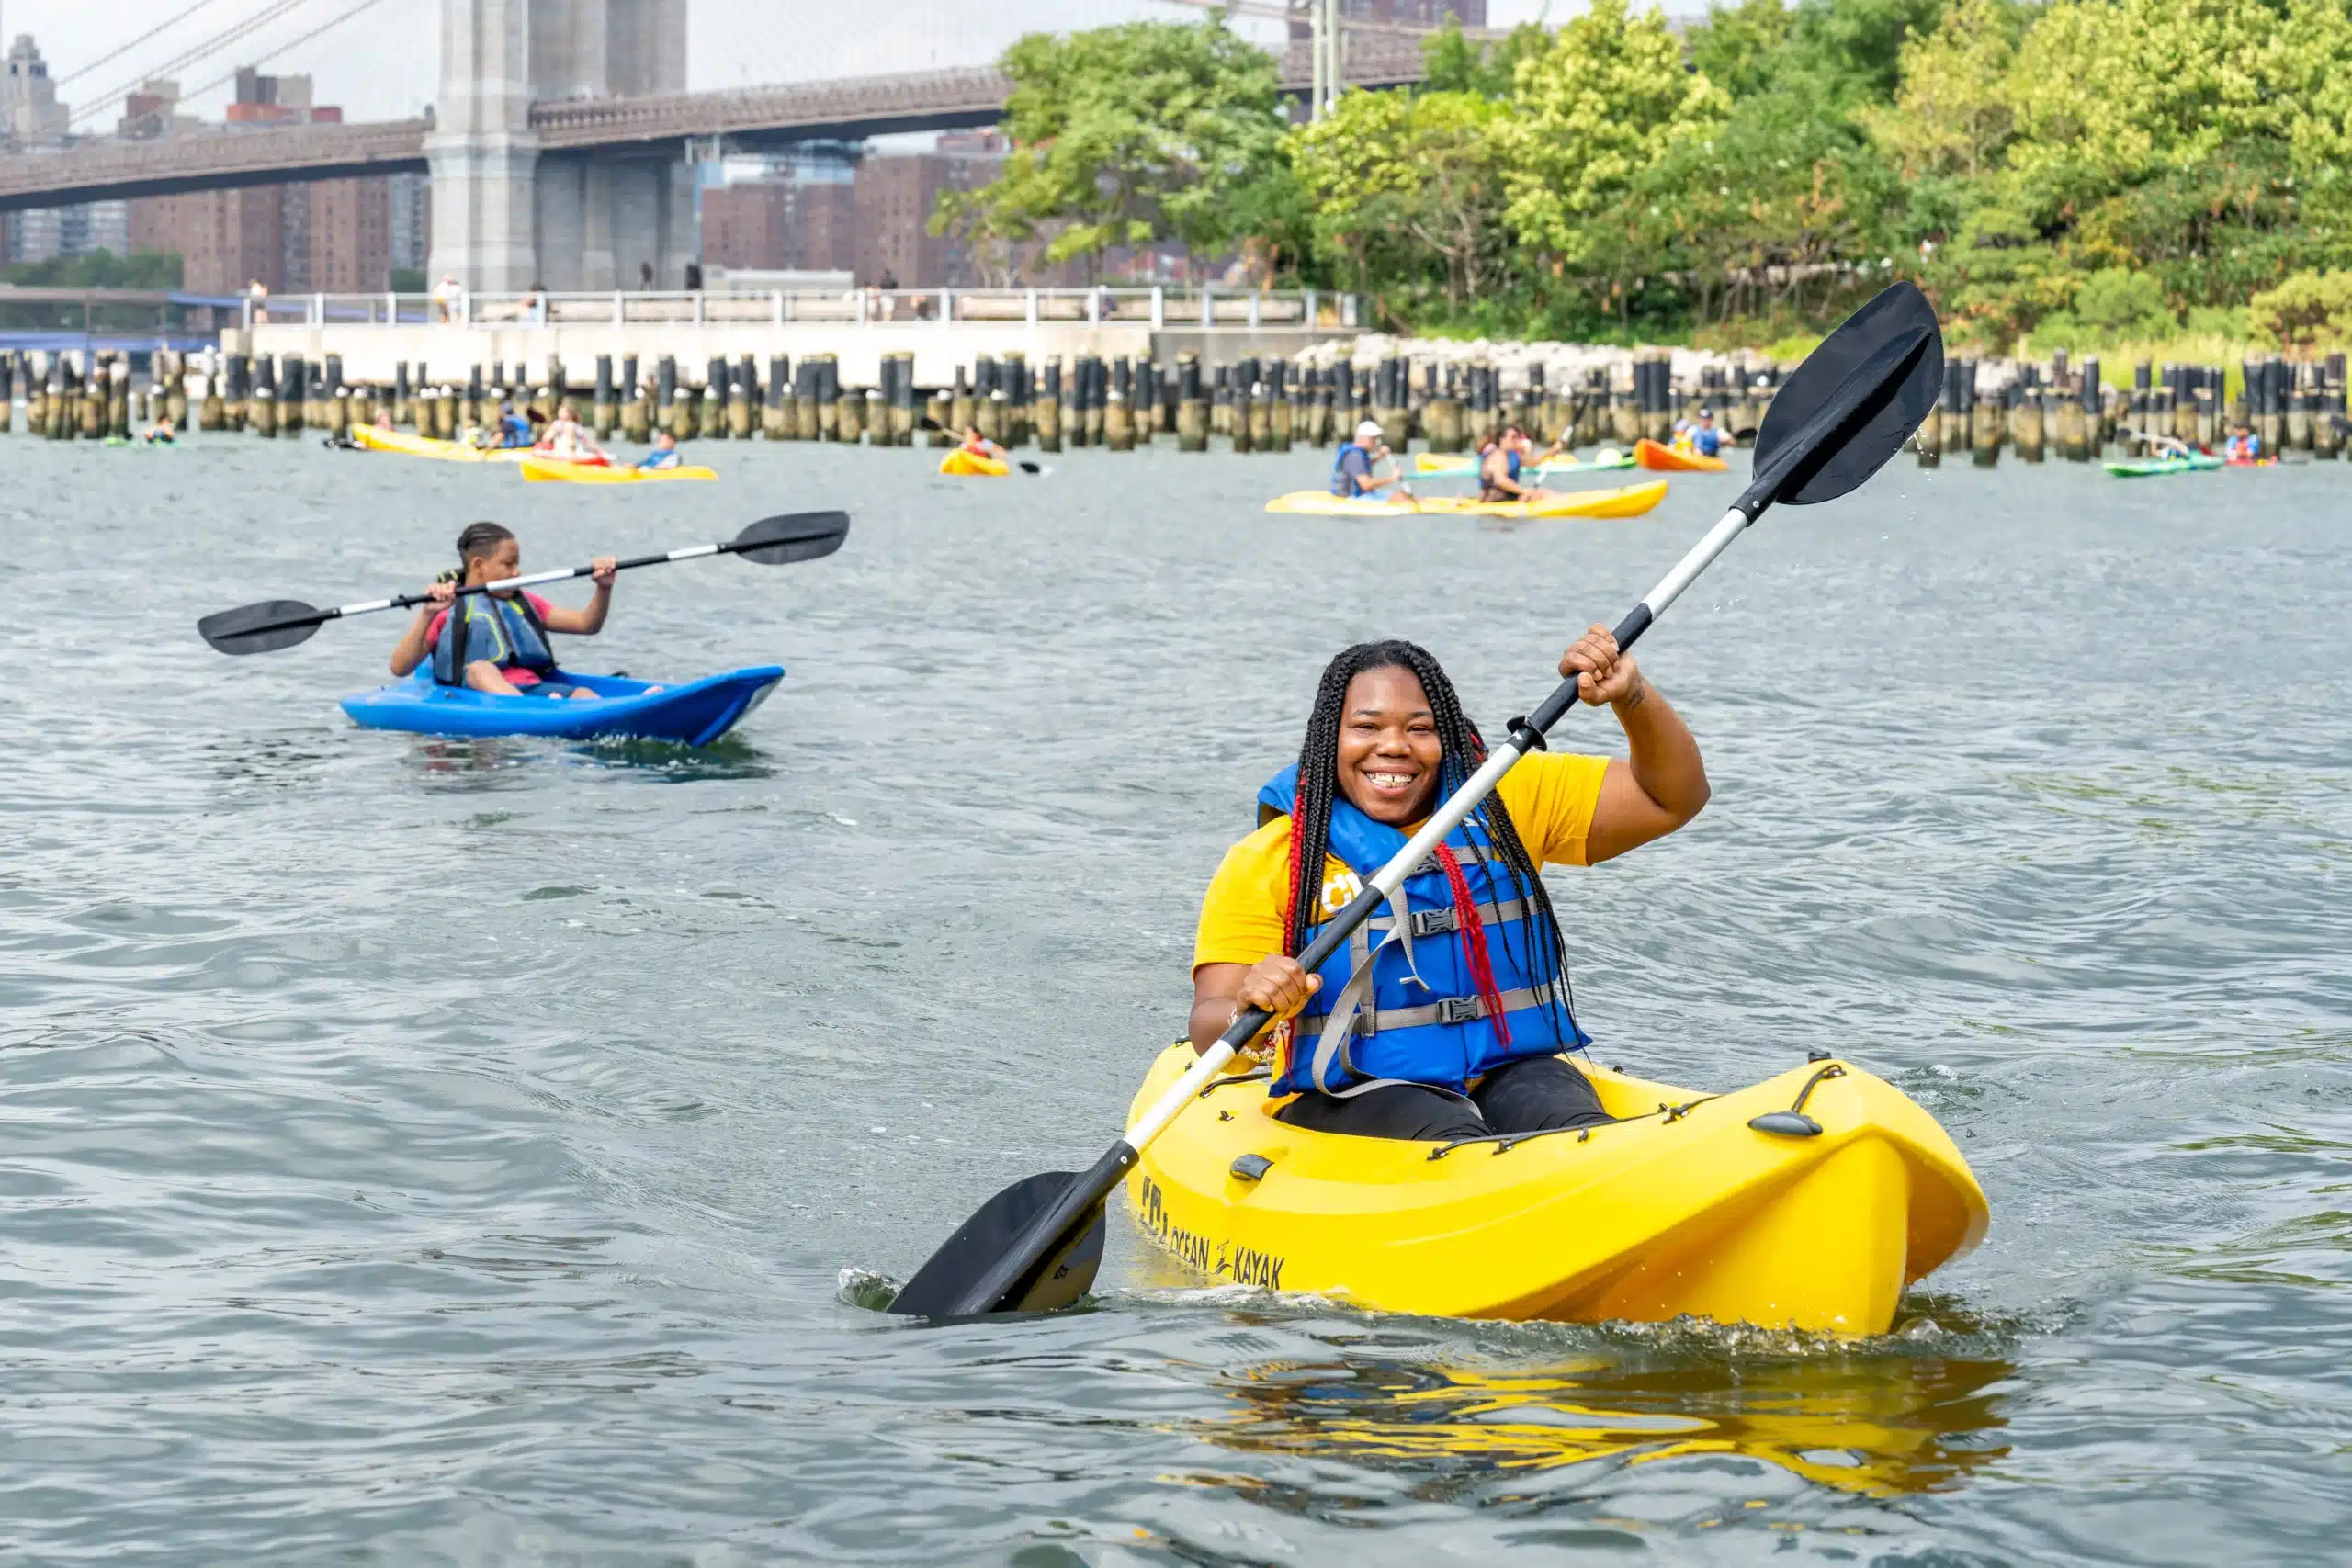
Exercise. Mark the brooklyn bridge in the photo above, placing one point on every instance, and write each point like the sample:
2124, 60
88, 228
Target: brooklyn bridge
559, 146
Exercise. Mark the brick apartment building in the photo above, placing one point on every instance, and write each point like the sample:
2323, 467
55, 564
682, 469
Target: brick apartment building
325, 236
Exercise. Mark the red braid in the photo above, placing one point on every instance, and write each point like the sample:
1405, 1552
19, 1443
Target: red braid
1280, 1041
1474, 942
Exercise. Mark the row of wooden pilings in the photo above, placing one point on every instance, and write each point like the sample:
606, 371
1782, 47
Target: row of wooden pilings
2295, 407
2030, 410
1256, 405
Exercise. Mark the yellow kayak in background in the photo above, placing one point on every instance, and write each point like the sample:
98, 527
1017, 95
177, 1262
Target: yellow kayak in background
1436, 465
967, 464
557, 469
1630, 502
1816, 1220
410, 445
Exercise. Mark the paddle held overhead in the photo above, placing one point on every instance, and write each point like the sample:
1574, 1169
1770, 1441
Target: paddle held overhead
1036, 1245
275, 623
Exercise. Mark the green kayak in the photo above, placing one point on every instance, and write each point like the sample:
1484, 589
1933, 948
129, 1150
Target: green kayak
2145, 467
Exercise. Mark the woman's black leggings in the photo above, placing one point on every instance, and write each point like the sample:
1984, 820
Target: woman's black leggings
1537, 1094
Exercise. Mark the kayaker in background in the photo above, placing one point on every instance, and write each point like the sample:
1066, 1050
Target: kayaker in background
1502, 460
498, 642
664, 454
1705, 439
1454, 1022
160, 433
2243, 447
978, 446
564, 437
1353, 471
513, 430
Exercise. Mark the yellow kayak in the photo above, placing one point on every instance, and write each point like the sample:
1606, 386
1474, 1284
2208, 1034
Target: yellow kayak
969, 464
1630, 502
1436, 465
555, 468
411, 445
1682, 1206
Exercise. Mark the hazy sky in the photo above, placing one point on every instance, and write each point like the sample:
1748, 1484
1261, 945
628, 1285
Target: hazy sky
382, 63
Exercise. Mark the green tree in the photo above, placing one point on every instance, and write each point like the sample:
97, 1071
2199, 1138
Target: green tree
1606, 101
1951, 115
1124, 136
1853, 49
1392, 173
1737, 47
1454, 63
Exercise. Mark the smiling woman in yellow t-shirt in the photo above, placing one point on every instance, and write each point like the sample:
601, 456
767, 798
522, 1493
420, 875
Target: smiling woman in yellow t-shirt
1445, 1016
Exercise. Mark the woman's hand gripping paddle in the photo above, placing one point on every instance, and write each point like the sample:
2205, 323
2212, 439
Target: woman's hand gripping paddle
275, 623
1850, 407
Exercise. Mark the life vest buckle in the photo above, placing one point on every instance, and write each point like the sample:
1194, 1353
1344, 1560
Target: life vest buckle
1435, 922
1461, 1010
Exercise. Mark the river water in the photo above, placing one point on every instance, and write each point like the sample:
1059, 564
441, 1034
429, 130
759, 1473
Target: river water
420, 1152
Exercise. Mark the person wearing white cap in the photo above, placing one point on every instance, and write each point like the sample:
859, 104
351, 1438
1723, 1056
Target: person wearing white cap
1352, 470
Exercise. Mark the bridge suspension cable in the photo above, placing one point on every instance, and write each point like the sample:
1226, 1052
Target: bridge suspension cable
118, 52
269, 13
334, 21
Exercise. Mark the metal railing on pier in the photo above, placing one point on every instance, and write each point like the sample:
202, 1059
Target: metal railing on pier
1159, 308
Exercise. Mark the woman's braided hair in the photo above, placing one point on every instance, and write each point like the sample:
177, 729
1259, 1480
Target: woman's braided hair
1463, 750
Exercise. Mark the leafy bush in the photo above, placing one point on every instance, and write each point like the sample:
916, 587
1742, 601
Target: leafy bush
2306, 310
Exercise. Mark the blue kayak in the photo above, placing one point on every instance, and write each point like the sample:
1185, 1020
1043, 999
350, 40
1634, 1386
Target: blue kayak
694, 713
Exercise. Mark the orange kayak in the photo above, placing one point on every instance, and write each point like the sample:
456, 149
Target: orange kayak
1660, 458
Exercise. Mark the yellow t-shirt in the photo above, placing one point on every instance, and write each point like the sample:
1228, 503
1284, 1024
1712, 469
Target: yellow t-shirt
1550, 798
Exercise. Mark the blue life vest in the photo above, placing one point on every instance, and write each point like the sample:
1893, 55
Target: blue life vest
1706, 441
507, 632
1417, 1017
1342, 482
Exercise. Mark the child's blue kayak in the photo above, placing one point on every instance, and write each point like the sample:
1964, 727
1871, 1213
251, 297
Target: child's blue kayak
693, 713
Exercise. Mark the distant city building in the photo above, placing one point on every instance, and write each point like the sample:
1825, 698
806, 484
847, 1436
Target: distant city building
29, 112
312, 236
412, 221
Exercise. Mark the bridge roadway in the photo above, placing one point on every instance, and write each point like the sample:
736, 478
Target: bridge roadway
845, 110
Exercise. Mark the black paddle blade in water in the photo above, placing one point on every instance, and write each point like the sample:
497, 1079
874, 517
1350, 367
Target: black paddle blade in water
1055, 1281
801, 535
1894, 333
261, 629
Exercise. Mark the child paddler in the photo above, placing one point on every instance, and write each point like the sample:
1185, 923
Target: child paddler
498, 642
1446, 1017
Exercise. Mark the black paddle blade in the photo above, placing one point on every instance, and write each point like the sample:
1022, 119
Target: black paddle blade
800, 535
1029, 468
1055, 1281
261, 629
1898, 327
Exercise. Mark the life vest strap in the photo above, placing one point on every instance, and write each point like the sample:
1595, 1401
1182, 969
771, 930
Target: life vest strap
1445, 1010
1439, 922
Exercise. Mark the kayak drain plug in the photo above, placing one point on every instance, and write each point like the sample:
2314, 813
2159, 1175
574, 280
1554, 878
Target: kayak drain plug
1250, 1167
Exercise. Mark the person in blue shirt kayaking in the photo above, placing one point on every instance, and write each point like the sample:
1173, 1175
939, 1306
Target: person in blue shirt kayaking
1705, 439
1353, 471
513, 430
2244, 447
665, 453
498, 642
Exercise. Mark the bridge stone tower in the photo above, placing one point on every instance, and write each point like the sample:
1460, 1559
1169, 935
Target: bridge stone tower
505, 214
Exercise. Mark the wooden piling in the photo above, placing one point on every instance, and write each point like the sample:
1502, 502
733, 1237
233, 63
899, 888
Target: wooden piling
940, 411
1192, 404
